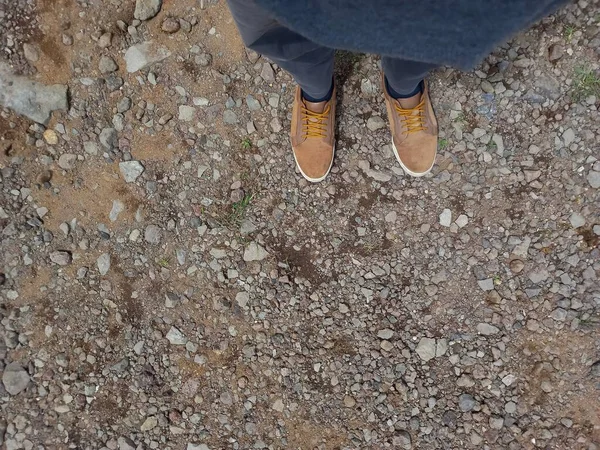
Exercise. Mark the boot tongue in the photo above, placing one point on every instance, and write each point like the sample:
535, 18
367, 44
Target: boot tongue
315, 107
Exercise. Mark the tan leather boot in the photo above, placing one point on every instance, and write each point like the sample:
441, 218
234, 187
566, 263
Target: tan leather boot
414, 133
313, 136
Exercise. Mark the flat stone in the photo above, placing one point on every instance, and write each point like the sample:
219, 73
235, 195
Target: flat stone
109, 138
555, 52
141, 56
186, 113
67, 161
170, 25
107, 65
386, 333
117, 208
176, 337
153, 234
197, 447
253, 104
61, 258
31, 99
426, 349
577, 220
375, 123
254, 252
267, 73
568, 136
538, 274
103, 263
149, 423
242, 299
278, 405
593, 179
91, 148
125, 443
31, 53
486, 329
402, 440
229, 117
446, 218
131, 170
51, 137
466, 402
15, 378
462, 221
146, 9
487, 284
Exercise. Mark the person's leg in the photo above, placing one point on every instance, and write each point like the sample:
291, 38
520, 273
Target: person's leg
403, 78
412, 119
310, 64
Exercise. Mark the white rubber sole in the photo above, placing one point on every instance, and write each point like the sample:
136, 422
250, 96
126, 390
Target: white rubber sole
410, 172
315, 180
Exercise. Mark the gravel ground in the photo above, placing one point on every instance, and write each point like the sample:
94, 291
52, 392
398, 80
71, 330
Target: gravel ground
169, 281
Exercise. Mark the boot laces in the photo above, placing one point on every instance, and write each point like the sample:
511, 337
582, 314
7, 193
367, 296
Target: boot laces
413, 118
314, 124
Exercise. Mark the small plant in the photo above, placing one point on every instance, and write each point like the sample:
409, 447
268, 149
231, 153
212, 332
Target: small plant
246, 143
586, 82
497, 280
569, 31
163, 262
238, 210
443, 143
491, 145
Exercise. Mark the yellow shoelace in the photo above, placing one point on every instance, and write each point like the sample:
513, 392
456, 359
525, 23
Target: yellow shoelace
314, 123
413, 118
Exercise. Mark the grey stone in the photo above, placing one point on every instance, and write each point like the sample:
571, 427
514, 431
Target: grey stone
402, 440
229, 117
242, 299
141, 56
108, 138
255, 252
176, 337
15, 378
267, 73
577, 220
124, 105
125, 443
197, 447
146, 9
466, 402
117, 208
31, 99
487, 284
153, 234
31, 53
253, 104
547, 86
462, 221
186, 113
555, 52
593, 179
131, 170
103, 263
386, 333
538, 274
487, 329
426, 349
446, 218
90, 148
61, 258
568, 136
67, 161
375, 123
107, 65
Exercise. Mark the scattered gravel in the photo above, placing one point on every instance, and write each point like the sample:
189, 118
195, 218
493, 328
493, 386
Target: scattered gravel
168, 280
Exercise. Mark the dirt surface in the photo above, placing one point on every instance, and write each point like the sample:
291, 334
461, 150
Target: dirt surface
217, 300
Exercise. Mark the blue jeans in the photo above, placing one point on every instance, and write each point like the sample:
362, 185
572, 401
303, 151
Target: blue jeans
311, 64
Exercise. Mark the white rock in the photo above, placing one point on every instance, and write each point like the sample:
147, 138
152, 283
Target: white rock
446, 218
375, 123
140, 56
117, 208
176, 337
131, 170
15, 378
103, 263
426, 349
577, 220
146, 9
186, 113
486, 329
255, 252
